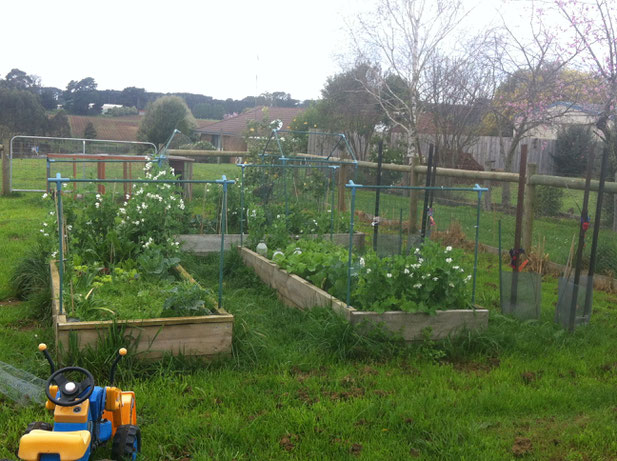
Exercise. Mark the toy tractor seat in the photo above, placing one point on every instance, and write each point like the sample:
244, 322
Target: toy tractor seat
72, 445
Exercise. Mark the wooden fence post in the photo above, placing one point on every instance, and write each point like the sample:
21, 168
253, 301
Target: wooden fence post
530, 195
413, 195
6, 172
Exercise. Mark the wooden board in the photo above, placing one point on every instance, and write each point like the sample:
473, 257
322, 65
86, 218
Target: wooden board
297, 292
206, 335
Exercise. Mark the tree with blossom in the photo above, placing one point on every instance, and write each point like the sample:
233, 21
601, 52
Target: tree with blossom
590, 28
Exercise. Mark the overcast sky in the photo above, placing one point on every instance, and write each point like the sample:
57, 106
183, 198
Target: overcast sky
220, 48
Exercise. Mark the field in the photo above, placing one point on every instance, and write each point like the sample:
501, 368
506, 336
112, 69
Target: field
305, 385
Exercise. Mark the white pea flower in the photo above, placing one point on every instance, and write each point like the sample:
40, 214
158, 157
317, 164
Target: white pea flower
46, 234
417, 251
362, 262
420, 260
69, 228
406, 271
389, 275
468, 278
451, 285
45, 224
417, 285
435, 279
97, 204
455, 268
368, 270
448, 249
448, 260
45, 195
54, 254
51, 213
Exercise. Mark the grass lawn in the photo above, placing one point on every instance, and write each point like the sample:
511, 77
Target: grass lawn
305, 385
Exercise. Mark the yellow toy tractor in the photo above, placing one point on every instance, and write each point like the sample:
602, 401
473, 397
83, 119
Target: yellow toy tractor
85, 417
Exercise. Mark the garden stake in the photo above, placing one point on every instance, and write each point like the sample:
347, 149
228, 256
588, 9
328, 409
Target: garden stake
500, 268
475, 253
224, 228
517, 251
353, 206
377, 194
581, 241
426, 192
242, 213
332, 171
400, 231
596, 232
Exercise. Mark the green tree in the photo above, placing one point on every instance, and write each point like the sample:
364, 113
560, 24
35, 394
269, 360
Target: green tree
79, 95
209, 110
349, 108
59, 125
19, 80
90, 131
162, 117
572, 148
21, 113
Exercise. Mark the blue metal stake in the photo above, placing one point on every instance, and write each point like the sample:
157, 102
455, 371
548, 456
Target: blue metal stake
353, 206
242, 215
61, 238
285, 186
475, 256
332, 170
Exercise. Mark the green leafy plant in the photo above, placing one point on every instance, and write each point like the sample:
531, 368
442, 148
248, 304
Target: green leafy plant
188, 299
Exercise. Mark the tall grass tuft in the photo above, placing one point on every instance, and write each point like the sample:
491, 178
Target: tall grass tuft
31, 280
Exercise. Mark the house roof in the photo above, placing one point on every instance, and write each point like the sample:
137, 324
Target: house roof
591, 109
236, 126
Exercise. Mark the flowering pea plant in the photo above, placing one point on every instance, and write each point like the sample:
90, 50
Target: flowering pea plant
427, 280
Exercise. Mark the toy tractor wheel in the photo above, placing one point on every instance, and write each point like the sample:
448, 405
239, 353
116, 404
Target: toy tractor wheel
126, 443
40, 425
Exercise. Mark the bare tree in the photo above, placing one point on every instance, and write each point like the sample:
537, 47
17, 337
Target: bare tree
457, 99
400, 38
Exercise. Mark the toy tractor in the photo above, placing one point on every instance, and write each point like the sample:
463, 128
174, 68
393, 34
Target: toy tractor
85, 417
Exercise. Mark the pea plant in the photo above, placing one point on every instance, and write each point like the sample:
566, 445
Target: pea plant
427, 280
121, 250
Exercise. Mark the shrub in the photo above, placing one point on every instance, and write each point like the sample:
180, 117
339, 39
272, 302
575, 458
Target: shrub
31, 279
572, 148
548, 201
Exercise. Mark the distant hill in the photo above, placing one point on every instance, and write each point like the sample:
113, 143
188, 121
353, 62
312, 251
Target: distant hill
115, 128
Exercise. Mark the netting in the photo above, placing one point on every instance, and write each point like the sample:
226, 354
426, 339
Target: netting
20, 386
523, 298
567, 310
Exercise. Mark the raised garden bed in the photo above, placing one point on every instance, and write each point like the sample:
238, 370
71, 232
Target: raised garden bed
206, 335
204, 244
297, 292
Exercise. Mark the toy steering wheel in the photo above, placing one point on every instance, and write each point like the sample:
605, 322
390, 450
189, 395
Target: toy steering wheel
70, 390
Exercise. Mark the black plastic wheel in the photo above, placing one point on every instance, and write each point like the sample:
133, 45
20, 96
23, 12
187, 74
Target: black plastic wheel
126, 443
43, 426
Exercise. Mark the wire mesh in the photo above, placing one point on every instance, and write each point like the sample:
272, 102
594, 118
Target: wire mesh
20, 386
565, 304
524, 303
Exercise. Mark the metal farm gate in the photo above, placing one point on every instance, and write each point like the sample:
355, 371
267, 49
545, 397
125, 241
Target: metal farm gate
28, 156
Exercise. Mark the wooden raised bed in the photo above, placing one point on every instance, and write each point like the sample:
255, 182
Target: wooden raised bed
203, 244
206, 335
297, 292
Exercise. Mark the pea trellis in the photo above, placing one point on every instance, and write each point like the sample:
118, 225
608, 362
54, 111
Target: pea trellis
354, 187
59, 180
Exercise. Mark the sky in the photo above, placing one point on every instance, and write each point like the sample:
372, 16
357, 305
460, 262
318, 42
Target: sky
220, 48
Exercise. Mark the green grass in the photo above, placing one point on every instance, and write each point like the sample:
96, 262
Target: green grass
305, 385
